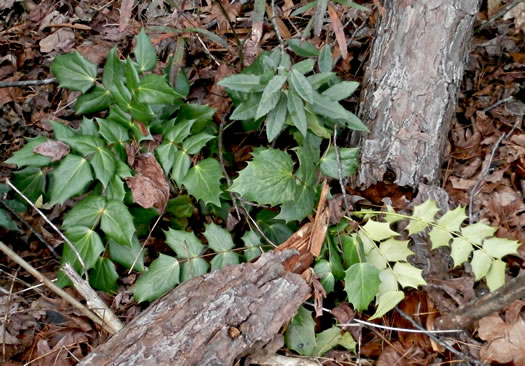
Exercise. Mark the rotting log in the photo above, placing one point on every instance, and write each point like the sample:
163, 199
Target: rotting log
212, 319
410, 89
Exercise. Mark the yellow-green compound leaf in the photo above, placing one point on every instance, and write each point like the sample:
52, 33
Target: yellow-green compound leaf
392, 217
481, 263
477, 232
162, 275
496, 275
460, 251
71, 177
499, 247
74, 72
388, 281
451, 221
300, 334
361, 284
408, 276
332, 337
203, 181
395, 250
378, 230
424, 214
387, 302
376, 258
271, 95
184, 243
117, 223
268, 178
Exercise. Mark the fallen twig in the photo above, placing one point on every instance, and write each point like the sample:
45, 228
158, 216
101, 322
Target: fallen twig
19, 83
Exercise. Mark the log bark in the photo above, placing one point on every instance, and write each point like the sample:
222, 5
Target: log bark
212, 319
410, 89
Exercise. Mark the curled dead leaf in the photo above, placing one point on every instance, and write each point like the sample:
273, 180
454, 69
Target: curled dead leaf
56, 150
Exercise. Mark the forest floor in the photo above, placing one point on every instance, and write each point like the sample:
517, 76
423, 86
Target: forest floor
486, 150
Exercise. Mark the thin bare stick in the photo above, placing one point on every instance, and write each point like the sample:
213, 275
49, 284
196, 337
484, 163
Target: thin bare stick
508, 99
437, 340
475, 190
71, 246
6, 315
144, 244
499, 14
57, 290
93, 302
20, 83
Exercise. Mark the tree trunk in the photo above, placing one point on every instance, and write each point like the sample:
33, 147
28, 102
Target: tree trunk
211, 319
410, 89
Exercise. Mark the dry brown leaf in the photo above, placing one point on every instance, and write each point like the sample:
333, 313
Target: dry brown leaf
505, 341
339, 31
283, 29
125, 14
56, 150
149, 187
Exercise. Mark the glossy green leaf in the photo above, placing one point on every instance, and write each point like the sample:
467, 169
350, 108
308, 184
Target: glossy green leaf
334, 336
272, 170
31, 182
193, 268
71, 178
154, 89
193, 145
113, 71
242, 82
350, 251
162, 275
181, 166
302, 86
324, 271
62, 130
219, 240
325, 59
299, 208
348, 157
112, 132
361, 284
341, 90
184, 243
387, 302
203, 181
166, 155
303, 48
87, 212
132, 76
276, 118
6, 221
141, 112
408, 276
144, 52
26, 156
180, 131
297, 112
424, 213
96, 100
88, 244
84, 145
300, 334
127, 255
104, 165
224, 259
117, 223
271, 94
252, 242
104, 276
74, 72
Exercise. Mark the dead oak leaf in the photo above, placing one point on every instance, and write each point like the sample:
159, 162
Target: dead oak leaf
149, 187
56, 150
505, 342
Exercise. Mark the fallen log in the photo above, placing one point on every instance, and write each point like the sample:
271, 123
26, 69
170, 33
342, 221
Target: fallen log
213, 319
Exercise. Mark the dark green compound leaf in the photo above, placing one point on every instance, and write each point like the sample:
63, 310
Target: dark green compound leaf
180, 206
104, 276
324, 270
272, 169
141, 112
325, 60
127, 255
144, 52
104, 165
25, 156
113, 71
74, 72
6, 221
31, 182
61, 130
348, 159
84, 145
117, 223
181, 166
303, 48
112, 132
276, 118
252, 242
300, 334
242, 82
195, 143
115, 190
132, 76
203, 181
87, 212
154, 89
88, 127
184, 243
71, 178
162, 275
271, 94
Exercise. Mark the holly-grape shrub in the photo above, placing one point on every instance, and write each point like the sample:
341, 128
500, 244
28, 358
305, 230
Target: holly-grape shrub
116, 168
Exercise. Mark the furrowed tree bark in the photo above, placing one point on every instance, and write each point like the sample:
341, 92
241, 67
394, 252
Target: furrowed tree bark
410, 89
212, 319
